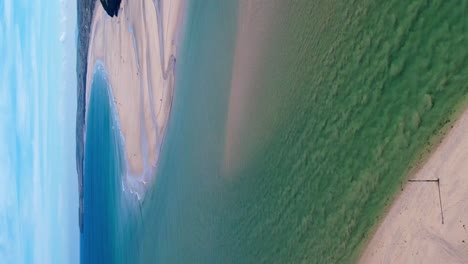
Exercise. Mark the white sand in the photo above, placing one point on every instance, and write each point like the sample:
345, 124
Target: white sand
413, 232
129, 47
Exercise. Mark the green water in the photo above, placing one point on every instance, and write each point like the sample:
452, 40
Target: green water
351, 94
355, 93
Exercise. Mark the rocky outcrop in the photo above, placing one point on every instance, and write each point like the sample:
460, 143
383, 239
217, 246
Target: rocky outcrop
111, 6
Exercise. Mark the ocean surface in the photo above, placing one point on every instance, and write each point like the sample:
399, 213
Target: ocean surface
352, 95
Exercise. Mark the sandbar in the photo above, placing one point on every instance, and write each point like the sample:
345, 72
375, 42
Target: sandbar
138, 49
253, 29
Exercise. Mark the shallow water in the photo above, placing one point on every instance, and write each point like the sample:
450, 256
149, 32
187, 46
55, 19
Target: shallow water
356, 93
351, 94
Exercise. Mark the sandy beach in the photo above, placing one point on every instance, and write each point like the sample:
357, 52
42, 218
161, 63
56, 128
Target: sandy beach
138, 49
412, 231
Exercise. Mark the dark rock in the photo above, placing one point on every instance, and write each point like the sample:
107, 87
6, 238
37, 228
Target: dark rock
111, 6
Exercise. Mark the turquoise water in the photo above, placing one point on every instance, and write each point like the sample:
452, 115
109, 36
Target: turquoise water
184, 212
103, 163
168, 226
106, 207
351, 104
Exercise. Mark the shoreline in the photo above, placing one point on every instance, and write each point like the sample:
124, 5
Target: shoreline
402, 220
134, 55
418, 163
241, 87
100, 67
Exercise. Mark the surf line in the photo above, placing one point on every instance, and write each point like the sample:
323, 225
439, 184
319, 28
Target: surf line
437, 181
